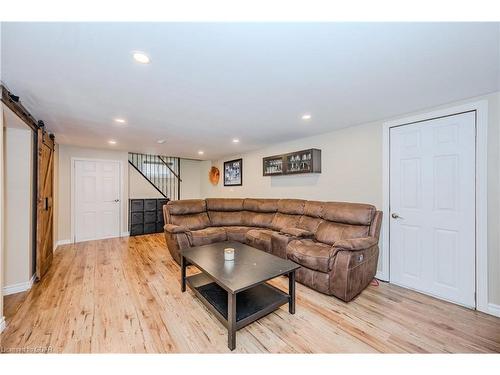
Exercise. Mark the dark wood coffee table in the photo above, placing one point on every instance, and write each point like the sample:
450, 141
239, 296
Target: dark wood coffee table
236, 292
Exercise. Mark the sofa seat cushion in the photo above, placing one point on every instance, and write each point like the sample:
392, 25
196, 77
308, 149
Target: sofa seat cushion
207, 236
311, 254
237, 233
260, 239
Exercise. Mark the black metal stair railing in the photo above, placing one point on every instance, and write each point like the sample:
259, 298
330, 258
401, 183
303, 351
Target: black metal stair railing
163, 172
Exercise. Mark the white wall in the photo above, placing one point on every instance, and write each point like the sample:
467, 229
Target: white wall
18, 158
494, 198
352, 171
190, 172
350, 159
139, 187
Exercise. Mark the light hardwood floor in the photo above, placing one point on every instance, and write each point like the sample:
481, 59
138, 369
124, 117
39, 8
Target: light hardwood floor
123, 295
12, 303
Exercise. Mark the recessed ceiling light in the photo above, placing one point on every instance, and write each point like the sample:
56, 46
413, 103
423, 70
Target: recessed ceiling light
120, 120
112, 142
236, 140
200, 152
160, 141
306, 116
141, 57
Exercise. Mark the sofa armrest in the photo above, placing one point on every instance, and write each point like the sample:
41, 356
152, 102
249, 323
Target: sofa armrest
297, 232
279, 243
171, 228
354, 244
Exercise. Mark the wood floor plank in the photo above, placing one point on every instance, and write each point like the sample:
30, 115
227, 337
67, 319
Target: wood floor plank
123, 296
12, 303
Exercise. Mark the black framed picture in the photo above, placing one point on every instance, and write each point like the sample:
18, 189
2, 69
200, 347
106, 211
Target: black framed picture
233, 172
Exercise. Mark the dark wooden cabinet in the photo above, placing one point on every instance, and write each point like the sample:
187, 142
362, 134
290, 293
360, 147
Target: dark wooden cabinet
305, 161
146, 216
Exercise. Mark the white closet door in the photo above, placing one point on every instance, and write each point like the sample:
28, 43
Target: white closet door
97, 199
432, 202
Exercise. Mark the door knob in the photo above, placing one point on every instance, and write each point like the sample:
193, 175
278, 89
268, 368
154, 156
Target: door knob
117, 200
396, 216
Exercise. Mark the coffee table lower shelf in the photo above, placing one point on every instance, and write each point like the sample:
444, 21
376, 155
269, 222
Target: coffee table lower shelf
251, 304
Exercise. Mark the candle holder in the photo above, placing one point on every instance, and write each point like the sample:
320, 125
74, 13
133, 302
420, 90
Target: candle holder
229, 254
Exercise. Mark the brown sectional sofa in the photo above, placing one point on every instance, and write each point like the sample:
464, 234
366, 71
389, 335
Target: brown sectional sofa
335, 243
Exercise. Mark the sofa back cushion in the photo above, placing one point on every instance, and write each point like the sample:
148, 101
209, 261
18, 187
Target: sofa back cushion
313, 208
186, 206
224, 204
348, 213
329, 232
259, 212
309, 223
191, 221
190, 213
281, 221
257, 219
222, 218
341, 220
260, 205
311, 218
291, 206
376, 224
225, 211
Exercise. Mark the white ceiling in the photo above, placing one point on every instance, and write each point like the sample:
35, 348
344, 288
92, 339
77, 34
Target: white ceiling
209, 83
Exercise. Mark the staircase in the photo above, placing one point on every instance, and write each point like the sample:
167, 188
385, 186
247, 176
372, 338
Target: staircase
163, 172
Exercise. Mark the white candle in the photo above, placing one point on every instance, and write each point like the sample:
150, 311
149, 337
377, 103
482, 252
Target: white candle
229, 253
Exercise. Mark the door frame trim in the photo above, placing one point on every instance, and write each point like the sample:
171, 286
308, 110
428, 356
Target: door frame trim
481, 110
72, 193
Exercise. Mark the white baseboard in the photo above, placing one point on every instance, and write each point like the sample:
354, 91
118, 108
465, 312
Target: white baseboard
381, 276
63, 242
125, 234
493, 309
19, 287
2, 323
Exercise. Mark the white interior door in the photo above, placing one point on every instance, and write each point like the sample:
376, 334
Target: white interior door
97, 199
432, 207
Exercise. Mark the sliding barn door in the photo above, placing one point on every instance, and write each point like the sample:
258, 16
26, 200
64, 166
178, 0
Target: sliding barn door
44, 232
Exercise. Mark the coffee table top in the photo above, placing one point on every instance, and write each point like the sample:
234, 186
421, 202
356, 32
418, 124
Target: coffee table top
249, 268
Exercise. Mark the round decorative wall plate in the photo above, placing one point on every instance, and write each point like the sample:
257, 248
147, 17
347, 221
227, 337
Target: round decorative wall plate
214, 175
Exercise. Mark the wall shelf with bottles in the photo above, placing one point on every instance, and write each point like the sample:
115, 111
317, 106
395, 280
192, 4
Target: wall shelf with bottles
305, 161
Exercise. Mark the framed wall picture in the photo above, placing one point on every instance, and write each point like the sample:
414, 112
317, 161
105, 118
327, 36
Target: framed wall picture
233, 172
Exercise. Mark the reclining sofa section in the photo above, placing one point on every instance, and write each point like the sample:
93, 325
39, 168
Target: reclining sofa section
335, 243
